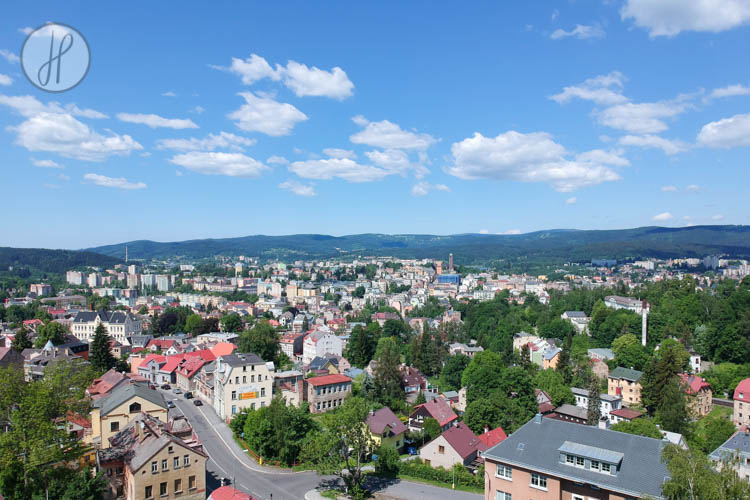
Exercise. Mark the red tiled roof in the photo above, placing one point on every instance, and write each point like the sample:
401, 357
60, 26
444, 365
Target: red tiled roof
545, 408
191, 366
743, 390
229, 493
78, 420
463, 440
693, 383
384, 417
223, 349
493, 437
160, 344
328, 379
440, 410
626, 413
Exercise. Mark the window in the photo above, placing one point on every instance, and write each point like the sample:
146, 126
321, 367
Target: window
178, 485
538, 481
252, 379
234, 409
577, 497
114, 426
186, 460
504, 472
580, 462
606, 468
154, 467
176, 463
441, 449
501, 495
570, 459
234, 395
170, 449
262, 391
244, 379
163, 489
135, 407
595, 465
191, 482
149, 492
164, 464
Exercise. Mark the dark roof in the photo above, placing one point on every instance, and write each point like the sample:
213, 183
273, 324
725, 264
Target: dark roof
125, 392
463, 440
118, 317
384, 417
626, 374
537, 446
242, 359
573, 411
739, 442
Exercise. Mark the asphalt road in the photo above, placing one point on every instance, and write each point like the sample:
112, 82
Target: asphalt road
227, 460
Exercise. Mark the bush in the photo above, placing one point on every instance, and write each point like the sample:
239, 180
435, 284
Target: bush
388, 460
417, 469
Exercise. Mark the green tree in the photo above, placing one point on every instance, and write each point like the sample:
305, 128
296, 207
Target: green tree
388, 460
497, 410
450, 376
551, 382
361, 347
630, 352
594, 404
387, 374
671, 411
431, 428
231, 323
563, 362
692, 477
276, 431
262, 340
342, 446
483, 375
21, 341
100, 353
194, 324
51, 331
359, 292
642, 426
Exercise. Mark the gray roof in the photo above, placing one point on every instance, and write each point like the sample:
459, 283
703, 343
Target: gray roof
124, 392
536, 446
626, 374
242, 359
575, 314
738, 443
573, 411
580, 392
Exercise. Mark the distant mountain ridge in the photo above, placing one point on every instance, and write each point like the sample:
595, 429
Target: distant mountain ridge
52, 261
549, 245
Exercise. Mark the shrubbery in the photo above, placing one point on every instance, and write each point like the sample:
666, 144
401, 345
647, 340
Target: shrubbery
416, 468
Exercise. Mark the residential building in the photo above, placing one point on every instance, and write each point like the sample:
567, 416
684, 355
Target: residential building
147, 460
327, 392
625, 383
601, 354
569, 413
624, 415
606, 405
551, 459
241, 381
112, 379
320, 344
439, 409
490, 438
457, 445
459, 348
735, 450
386, 429
40, 289
119, 325
699, 395
113, 412
617, 302
290, 384
9, 357
291, 344
578, 318
741, 414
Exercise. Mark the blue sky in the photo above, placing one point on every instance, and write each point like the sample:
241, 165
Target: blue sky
225, 119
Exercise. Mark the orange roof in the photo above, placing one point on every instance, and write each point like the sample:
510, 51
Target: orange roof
223, 349
328, 379
493, 437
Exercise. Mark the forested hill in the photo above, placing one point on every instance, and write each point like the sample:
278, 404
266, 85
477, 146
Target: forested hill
52, 261
549, 246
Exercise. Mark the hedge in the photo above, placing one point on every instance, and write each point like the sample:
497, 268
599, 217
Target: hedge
416, 468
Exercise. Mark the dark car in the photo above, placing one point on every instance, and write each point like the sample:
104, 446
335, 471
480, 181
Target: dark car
170, 404
197, 402
166, 387
188, 395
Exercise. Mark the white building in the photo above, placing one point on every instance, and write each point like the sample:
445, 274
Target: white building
607, 403
242, 381
120, 325
320, 344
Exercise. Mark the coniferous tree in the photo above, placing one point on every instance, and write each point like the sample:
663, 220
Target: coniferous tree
563, 362
21, 341
387, 374
100, 354
594, 406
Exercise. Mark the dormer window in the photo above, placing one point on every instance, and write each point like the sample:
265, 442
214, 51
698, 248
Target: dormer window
134, 407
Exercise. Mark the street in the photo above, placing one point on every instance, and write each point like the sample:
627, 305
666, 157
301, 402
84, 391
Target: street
227, 460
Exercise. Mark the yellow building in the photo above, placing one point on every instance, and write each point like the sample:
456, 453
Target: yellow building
386, 428
113, 412
625, 382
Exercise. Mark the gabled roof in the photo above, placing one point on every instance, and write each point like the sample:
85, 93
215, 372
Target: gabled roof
385, 418
743, 390
493, 437
126, 392
440, 410
626, 413
626, 374
739, 442
463, 440
693, 383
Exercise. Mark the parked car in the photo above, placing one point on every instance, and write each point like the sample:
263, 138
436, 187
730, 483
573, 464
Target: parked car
197, 402
170, 404
188, 395
177, 390
166, 387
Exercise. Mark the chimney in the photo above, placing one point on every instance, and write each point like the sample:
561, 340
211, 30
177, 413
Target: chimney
372, 412
604, 423
538, 418
486, 429
644, 322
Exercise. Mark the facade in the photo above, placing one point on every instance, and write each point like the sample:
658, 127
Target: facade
736, 449
457, 445
617, 302
241, 381
120, 325
320, 344
9, 357
290, 384
386, 428
327, 392
40, 289
741, 414
625, 383
148, 460
548, 459
607, 403
439, 409
699, 395
115, 411
578, 318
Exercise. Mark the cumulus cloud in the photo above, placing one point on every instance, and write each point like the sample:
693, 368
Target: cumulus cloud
726, 133
26, 105
581, 31
113, 182
213, 163
277, 160
26, 30
669, 147
265, 115
532, 157
9, 56
729, 91
571, 201
340, 153
662, 216
388, 135
670, 17
603, 89
342, 168
424, 188
222, 140
156, 121
669, 189
46, 163
298, 77
298, 188
5, 80
393, 160
169, 93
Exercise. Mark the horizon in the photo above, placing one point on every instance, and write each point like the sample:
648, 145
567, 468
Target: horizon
407, 119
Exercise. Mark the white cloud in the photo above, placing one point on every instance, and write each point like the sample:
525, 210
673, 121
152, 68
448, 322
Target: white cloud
5, 79
571, 201
484, 231
693, 188
343, 168
730, 91
424, 188
252, 69
211, 163
581, 31
669, 189
9, 56
169, 93
670, 17
198, 110
25, 30
222, 140
532, 157
641, 118
726, 133
393, 160
388, 135
670, 147
278, 160
46, 163
113, 182
28, 106
511, 231
662, 216
298, 188
313, 81
340, 153
156, 121
717, 217
603, 89
264, 114
66, 136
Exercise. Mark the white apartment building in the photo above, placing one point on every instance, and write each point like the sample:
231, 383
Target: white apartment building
320, 344
242, 381
120, 325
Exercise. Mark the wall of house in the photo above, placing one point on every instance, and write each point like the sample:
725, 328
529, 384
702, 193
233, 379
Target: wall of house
328, 399
255, 382
197, 468
102, 426
446, 459
631, 391
741, 414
